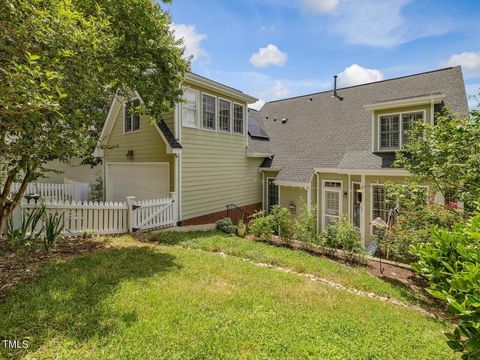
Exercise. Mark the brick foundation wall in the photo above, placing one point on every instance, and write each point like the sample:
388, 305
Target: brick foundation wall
213, 217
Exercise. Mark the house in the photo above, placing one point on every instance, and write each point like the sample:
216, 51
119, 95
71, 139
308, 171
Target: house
332, 152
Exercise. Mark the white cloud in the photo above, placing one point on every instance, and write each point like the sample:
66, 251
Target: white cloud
257, 105
382, 23
470, 62
356, 74
269, 55
315, 7
192, 40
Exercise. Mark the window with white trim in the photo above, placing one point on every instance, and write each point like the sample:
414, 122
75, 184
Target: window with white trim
394, 129
209, 110
332, 192
224, 115
238, 118
379, 203
190, 108
408, 120
131, 116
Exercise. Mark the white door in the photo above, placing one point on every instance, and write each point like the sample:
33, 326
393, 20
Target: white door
143, 180
332, 192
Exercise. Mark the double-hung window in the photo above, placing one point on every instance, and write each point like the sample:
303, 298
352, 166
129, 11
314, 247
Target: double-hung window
332, 196
408, 121
131, 116
190, 108
238, 118
224, 115
209, 110
395, 129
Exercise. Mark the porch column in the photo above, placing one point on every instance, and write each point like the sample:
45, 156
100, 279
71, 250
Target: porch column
362, 207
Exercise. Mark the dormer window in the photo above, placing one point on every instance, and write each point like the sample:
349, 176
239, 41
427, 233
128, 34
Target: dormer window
131, 116
394, 129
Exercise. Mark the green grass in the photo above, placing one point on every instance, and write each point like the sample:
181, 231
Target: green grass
300, 261
143, 301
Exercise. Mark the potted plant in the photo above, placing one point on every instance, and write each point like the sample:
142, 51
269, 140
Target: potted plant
241, 228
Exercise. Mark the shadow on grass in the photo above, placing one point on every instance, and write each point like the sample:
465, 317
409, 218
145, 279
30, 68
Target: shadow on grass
179, 237
71, 298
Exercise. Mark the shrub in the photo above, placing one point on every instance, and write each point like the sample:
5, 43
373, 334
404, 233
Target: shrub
28, 233
305, 226
451, 263
281, 222
261, 225
54, 226
226, 225
88, 234
97, 189
343, 235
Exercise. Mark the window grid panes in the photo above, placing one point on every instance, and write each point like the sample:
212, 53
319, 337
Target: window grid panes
272, 194
379, 206
190, 108
224, 115
132, 116
208, 112
407, 124
332, 207
238, 118
390, 132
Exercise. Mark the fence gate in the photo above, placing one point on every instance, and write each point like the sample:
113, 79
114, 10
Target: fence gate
150, 214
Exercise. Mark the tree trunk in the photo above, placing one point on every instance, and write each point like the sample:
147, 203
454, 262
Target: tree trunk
8, 205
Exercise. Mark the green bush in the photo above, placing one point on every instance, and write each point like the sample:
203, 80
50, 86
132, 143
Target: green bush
305, 226
281, 222
54, 225
88, 234
261, 225
451, 263
343, 235
29, 233
225, 225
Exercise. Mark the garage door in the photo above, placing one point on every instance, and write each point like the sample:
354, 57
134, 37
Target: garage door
145, 181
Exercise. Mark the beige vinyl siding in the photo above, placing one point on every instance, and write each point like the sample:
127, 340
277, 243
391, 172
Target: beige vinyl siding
216, 172
147, 145
169, 119
72, 172
426, 108
295, 196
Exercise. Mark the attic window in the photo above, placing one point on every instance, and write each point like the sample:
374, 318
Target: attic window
131, 116
394, 129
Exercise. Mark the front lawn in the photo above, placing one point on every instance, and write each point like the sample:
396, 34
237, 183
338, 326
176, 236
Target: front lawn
149, 301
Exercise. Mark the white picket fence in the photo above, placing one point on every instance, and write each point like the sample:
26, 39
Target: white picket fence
152, 214
52, 191
100, 217
104, 218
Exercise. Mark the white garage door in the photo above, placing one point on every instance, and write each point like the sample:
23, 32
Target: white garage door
143, 180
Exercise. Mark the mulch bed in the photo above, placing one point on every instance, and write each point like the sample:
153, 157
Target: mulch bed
21, 265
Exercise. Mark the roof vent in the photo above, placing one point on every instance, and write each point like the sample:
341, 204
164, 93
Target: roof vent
335, 89
284, 120
310, 98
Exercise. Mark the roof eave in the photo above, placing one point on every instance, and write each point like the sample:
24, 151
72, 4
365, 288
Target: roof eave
405, 102
201, 81
379, 172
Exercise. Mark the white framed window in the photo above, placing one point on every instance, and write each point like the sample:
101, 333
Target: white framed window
131, 116
238, 116
224, 115
209, 106
393, 129
332, 201
190, 108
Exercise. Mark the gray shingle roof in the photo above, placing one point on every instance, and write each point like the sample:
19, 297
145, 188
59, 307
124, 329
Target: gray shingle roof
328, 133
174, 144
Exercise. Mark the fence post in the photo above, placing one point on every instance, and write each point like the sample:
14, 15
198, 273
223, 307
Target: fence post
174, 197
130, 202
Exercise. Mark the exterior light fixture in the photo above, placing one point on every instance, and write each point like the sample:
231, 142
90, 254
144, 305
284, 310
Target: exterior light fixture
130, 154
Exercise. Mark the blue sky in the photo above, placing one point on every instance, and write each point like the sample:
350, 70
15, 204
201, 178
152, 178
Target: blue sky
274, 49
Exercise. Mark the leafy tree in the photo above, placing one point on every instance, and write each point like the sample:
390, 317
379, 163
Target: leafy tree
61, 62
447, 155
